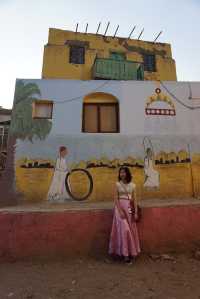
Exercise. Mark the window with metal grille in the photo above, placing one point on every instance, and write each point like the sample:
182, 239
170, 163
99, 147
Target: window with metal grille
3, 137
100, 118
149, 62
77, 55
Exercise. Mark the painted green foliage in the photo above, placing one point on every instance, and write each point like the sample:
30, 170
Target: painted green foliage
23, 126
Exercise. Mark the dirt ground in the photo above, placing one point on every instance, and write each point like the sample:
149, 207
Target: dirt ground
177, 278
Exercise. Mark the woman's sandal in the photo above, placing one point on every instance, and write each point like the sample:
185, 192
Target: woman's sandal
128, 260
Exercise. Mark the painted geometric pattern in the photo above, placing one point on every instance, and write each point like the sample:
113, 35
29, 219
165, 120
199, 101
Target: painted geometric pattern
155, 111
160, 97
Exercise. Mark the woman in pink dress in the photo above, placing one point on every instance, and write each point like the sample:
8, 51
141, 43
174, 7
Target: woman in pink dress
124, 240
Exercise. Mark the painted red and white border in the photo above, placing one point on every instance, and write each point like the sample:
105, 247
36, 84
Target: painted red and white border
158, 111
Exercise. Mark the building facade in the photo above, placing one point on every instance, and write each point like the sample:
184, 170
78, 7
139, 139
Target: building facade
79, 56
149, 124
5, 117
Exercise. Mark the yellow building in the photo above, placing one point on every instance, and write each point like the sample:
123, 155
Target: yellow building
86, 56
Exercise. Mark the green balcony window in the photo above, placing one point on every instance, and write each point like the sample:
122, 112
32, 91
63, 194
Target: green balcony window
115, 69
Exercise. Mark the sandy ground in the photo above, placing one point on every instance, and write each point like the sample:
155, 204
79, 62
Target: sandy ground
91, 278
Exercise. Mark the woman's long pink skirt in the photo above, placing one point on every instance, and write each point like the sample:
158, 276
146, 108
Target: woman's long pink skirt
124, 240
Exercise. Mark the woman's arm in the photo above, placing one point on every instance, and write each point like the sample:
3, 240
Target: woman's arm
117, 203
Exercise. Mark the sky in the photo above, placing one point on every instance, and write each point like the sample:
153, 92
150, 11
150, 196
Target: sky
24, 28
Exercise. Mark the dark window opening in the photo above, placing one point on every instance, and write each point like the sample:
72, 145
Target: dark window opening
77, 55
149, 62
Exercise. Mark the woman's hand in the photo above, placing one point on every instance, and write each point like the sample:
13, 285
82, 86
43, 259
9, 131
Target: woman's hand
136, 216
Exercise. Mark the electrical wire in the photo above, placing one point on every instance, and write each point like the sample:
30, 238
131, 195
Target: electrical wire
190, 93
81, 96
177, 99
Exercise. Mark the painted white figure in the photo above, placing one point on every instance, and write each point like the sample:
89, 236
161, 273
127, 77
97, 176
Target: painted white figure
57, 191
152, 179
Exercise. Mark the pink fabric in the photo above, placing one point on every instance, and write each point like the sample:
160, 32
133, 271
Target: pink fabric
124, 240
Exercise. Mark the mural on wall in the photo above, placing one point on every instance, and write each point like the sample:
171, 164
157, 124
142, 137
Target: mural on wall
86, 167
90, 169
152, 179
159, 97
57, 190
23, 126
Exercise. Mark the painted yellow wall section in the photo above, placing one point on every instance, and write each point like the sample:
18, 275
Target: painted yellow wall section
177, 181
56, 55
100, 97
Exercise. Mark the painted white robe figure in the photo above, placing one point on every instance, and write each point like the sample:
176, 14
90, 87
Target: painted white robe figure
57, 191
152, 178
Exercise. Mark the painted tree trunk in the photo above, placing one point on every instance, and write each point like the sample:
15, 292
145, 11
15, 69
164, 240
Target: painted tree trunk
7, 180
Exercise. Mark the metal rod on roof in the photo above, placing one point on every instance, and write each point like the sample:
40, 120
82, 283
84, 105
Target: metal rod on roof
131, 32
116, 31
86, 28
141, 33
76, 27
157, 36
106, 29
98, 27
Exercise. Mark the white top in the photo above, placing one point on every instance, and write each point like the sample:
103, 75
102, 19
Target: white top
61, 165
125, 190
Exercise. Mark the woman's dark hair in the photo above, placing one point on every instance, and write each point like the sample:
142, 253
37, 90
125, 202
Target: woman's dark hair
62, 149
128, 174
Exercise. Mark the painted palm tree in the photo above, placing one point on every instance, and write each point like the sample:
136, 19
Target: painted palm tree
23, 127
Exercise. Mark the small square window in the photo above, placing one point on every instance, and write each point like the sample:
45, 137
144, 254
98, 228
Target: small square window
77, 55
42, 109
149, 62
